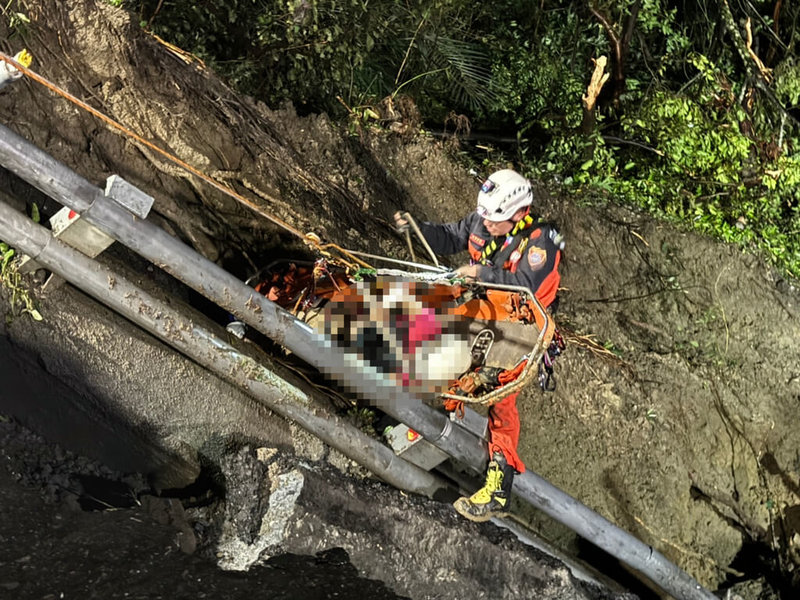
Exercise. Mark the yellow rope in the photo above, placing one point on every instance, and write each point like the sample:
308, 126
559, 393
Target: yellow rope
309, 238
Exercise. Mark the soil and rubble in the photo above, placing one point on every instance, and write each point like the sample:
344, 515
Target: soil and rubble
677, 400
283, 527
53, 548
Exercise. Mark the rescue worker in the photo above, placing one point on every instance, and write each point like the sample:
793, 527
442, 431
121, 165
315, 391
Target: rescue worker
506, 246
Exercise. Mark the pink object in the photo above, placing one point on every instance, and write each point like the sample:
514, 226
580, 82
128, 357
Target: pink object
424, 327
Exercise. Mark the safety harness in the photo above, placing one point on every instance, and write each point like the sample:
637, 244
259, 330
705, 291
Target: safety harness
512, 250
509, 255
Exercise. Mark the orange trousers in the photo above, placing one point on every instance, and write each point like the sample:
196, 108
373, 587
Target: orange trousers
504, 431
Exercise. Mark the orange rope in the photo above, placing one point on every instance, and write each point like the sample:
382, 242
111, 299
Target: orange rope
310, 239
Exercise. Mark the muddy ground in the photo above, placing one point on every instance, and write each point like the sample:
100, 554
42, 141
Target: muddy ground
60, 541
677, 403
270, 525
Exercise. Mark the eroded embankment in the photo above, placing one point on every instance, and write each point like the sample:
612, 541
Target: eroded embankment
686, 436
261, 502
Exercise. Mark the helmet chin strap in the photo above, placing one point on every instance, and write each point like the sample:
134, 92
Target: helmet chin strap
525, 221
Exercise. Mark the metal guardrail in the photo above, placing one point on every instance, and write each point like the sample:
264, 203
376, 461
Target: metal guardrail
144, 238
214, 353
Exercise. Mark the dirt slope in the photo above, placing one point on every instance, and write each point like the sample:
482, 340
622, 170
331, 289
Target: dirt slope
689, 438
683, 432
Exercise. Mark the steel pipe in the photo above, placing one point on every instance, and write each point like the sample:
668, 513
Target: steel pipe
213, 353
604, 534
70, 189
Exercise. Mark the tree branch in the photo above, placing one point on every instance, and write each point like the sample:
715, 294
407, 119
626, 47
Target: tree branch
749, 65
630, 25
762, 68
612, 35
736, 37
619, 45
589, 99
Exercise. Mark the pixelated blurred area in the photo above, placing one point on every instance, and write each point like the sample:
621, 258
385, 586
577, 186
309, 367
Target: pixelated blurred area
405, 329
417, 334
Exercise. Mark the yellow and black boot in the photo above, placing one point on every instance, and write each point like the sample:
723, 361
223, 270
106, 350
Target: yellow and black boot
493, 498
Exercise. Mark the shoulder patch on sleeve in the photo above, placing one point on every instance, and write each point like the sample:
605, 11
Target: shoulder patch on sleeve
537, 257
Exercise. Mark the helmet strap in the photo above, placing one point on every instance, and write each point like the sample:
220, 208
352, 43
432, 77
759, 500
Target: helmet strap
523, 223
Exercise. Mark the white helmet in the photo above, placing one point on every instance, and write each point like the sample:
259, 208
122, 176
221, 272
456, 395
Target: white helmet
503, 194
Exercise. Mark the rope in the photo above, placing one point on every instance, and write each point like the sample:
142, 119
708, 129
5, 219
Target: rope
415, 227
308, 238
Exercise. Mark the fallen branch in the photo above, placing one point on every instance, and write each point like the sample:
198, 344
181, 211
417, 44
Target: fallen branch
588, 343
589, 99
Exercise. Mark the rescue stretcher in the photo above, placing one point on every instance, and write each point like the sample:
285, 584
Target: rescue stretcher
433, 333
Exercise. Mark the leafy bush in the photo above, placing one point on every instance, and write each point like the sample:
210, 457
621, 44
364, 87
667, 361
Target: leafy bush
693, 159
540, 68
314, 52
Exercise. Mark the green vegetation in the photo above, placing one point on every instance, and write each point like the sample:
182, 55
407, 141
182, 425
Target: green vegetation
698, 121
364, 419
12, 281
316, 52
17, 20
